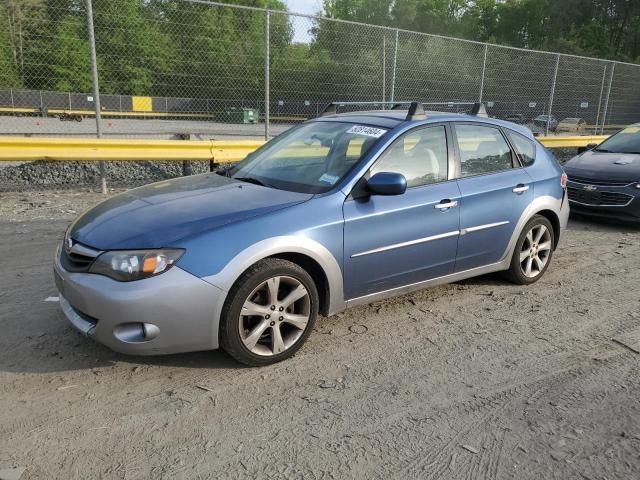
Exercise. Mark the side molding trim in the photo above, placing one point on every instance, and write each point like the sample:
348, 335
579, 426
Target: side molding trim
408, 244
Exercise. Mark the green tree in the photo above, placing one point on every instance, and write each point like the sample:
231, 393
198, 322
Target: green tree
131, 48
24, 20
9, 73
69, 69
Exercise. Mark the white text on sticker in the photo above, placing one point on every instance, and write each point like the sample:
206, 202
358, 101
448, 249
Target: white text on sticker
367, 131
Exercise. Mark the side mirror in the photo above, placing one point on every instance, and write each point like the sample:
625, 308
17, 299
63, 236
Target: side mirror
387, 183
591, 146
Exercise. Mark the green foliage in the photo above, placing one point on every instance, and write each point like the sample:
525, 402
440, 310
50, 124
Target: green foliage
177, 48
69, 68
601, 28
9, 74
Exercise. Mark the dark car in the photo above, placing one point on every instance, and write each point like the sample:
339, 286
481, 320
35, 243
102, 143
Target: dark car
541, 122
518, 118
605, 181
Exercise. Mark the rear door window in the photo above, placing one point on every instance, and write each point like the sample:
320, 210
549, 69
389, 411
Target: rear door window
483, 150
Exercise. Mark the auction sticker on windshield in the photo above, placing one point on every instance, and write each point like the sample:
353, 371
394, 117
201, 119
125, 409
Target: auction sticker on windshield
367, 131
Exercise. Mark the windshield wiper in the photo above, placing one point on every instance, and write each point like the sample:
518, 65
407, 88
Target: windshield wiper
224, 171
253, 180
603, 150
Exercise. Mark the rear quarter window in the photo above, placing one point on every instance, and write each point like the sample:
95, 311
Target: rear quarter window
525, 148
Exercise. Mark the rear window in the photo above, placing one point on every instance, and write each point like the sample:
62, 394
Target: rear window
525, 148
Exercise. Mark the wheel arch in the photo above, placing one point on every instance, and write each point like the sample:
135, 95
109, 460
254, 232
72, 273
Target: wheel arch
554, 219
316, 271
314, 257
547, 206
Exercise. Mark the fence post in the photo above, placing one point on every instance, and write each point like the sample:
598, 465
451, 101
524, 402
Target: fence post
384, 68
267, 68
12, 100
484, 67
553, 91
606, 101
604, 75
96, 87
395, 63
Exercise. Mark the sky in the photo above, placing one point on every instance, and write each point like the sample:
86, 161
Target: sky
301, 25
304, 6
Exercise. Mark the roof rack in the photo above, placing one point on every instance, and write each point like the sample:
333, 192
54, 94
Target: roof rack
479, 110
415, 109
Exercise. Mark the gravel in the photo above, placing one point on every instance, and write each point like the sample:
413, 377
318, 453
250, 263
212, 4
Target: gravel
479, 380
42, 175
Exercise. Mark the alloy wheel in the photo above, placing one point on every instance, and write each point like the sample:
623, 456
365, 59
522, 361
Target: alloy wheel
274, 316
536, 250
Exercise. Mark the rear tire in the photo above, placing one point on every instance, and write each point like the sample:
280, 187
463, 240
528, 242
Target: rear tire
269, 313
532, 253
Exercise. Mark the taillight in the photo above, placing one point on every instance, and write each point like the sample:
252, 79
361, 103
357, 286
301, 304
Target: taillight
563, 180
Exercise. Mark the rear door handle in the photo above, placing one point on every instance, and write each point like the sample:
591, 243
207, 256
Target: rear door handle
520, 188
446, 204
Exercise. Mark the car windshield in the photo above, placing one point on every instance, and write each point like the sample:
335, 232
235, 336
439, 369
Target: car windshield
311, 158
625, 141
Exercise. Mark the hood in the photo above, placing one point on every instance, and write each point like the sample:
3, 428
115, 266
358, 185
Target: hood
619, 167
160, 214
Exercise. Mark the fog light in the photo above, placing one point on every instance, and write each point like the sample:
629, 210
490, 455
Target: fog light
136, 332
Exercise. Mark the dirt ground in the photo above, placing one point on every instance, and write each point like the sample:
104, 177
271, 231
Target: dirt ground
476, 380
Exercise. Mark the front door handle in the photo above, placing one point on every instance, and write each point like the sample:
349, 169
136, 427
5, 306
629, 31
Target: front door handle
446, 204
520, 188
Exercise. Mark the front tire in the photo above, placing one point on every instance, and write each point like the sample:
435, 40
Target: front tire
269, 313
533, 252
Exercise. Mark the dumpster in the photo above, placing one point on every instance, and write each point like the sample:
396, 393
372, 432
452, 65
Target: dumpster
239, 115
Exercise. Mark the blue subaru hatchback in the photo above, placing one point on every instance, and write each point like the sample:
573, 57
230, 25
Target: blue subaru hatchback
339, 211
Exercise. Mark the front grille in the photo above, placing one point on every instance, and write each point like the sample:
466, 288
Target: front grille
590, 181
74, 262
78, 258
598, 198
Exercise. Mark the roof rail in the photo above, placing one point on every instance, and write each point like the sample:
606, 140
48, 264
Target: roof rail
415, 109
479, 110
330, 109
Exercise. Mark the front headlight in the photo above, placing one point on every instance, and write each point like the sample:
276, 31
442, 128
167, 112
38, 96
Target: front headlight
126, 266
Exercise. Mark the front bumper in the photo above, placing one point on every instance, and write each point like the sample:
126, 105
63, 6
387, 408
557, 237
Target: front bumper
170, 313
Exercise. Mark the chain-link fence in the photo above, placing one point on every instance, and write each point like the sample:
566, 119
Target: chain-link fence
200, 69
169, 67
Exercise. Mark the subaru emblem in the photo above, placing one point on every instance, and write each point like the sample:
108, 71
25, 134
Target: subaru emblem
68, 243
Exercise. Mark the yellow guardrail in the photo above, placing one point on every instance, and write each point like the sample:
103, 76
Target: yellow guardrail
107, 113
572, 142
29, 148
25, 149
